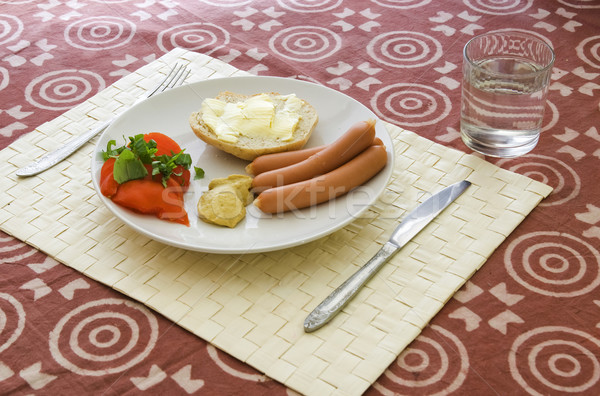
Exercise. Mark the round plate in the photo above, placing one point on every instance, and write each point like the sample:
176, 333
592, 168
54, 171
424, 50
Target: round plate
168, 113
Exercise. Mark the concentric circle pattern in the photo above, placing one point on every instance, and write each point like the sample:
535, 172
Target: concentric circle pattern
305, 43
589, 51
11, 2
103, 337
552, 115
428, 366
100, 33
10, 28
226, 3
526, 322
499, 7
556, 360
411, 105
551, 171
12, 320
554, 264
198, 36
222, 363
402, 4
581, 4
4, 78
405, 49
309, 5
63, 89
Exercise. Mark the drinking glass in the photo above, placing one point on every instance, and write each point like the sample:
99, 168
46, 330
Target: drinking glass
506, 75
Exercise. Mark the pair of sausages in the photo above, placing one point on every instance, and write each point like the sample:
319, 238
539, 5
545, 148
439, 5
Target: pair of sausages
349, 145
299, 179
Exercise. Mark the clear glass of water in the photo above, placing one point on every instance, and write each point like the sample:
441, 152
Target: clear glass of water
506, 75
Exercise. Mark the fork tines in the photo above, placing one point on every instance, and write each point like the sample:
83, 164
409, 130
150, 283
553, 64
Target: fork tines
178, 77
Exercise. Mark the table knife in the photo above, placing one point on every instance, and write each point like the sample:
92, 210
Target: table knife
410, 226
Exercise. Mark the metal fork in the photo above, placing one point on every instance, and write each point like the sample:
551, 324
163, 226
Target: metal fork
176, 77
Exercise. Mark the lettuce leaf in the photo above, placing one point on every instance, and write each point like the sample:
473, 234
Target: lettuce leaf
128, 166
131, 158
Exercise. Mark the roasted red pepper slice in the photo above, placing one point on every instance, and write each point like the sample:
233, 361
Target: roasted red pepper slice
184, 179
164, 144
149, 197
108, 185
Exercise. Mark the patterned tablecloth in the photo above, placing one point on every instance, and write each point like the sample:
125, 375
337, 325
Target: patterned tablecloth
528, 322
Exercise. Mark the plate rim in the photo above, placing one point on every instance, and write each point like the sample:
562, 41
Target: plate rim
322, 232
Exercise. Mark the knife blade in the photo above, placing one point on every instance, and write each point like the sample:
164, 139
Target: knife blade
410, 226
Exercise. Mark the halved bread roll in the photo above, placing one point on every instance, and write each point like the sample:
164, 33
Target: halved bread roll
250, 147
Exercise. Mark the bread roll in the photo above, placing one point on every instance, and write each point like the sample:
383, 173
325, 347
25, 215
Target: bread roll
247, 147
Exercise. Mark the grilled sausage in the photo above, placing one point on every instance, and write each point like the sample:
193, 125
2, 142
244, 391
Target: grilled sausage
358, 137
269, 162
310, 192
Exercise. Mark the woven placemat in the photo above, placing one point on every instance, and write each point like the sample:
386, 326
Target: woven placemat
252, 306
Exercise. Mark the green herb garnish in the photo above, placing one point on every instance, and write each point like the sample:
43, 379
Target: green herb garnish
128, 167
199, 173
131, 158
166, 164
110, 152
144, 150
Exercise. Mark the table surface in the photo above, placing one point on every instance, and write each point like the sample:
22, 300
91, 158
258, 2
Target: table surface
528, 322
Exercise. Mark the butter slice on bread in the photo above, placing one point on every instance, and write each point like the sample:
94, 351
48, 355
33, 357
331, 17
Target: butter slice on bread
248, 148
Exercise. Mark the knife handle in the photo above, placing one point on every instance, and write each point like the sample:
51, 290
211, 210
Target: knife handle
334, 303
54, 157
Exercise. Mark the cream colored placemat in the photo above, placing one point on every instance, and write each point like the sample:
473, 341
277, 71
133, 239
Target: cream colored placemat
253, 306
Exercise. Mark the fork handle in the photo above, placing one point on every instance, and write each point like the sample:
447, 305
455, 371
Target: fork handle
54, 157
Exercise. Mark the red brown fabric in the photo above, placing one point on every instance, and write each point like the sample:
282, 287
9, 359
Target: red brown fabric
527, 323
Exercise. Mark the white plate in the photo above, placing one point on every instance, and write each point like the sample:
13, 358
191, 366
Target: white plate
169, 112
